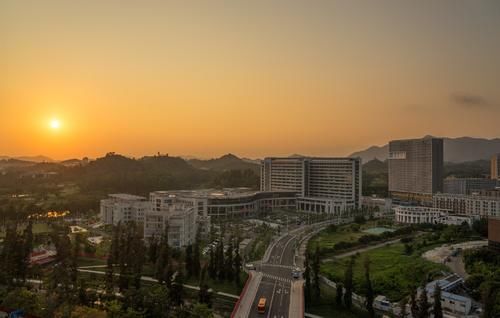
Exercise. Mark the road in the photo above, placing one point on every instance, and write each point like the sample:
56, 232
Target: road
276, 279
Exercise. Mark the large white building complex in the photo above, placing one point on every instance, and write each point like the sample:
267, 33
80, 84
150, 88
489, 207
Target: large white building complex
323, 185
423, 214
185, 212
123, 208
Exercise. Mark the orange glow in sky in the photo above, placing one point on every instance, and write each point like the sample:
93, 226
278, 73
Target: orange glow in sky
254, 78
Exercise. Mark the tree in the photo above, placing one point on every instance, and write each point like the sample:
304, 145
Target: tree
22, 298
204, 295
315, 271
196, 254
339, 294
163, 258
202, 311
212, 271
369, 290
307, 278
109, 283
228, 266
414, 304
177, 291
153, 249
189, 260
87, 312
237, 267
348, 283
403, 304
423, 305
219, 258
438, 310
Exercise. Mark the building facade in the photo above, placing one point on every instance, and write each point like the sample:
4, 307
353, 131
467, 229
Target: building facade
468, 185
418, 214
472, 205
174, 214
234, 202
123, 208
452, 299
322, 184
494, 233
495, 167
415, 169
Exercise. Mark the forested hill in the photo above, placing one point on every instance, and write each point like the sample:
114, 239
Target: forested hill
117, 173
225, 163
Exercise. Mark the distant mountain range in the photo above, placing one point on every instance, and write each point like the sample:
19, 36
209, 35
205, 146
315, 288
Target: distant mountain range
29, 158
461, 149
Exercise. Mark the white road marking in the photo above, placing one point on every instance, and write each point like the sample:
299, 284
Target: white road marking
271, 303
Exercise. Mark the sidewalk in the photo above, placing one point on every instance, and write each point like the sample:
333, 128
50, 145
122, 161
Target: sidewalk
296, 309
244, 306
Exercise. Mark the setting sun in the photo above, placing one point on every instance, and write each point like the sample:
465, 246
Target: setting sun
55, 124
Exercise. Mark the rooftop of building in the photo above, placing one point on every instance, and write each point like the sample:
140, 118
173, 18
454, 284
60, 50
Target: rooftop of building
226, 193
126, 197
312, 158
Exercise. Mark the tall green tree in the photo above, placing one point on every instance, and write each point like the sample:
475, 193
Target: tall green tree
228, 263
307, 279
369, 290
212, 270
423, 304
348, 284
339, 294
189, 261
163, 260
315, 271
204, 295
437, 310
237, 267
196, 254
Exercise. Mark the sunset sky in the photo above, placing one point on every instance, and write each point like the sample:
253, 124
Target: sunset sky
255, 78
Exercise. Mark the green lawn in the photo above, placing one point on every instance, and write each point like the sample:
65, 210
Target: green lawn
392, 272
87, 261
344, 233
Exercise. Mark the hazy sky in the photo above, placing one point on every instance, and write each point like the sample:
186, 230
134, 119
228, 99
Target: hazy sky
252, 77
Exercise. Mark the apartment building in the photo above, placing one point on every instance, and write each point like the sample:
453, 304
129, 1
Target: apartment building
176, 215
495, 167
123, 208
323, 185
415, 169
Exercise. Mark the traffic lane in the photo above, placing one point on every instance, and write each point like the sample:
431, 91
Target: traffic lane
281, 301
266, 290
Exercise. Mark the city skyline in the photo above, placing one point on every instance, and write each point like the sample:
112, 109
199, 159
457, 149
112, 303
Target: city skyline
261, 79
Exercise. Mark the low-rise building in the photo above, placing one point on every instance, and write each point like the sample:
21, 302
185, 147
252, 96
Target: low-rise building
422, 215
379, 206
473, 205
451, 301
235, 202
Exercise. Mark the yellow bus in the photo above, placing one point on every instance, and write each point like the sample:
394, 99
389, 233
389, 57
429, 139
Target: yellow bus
261, 307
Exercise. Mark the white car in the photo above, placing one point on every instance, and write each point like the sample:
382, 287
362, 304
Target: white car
250, 267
